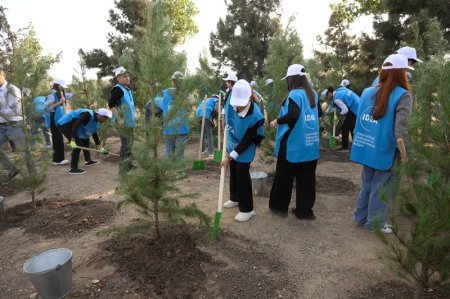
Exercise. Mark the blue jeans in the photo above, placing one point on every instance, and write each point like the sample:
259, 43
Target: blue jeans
14, 132
175, 145
369, 206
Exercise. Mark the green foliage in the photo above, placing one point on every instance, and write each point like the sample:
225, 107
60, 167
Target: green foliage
150, 187
285, 49
28, 69
242, 39
130, 15
420, 209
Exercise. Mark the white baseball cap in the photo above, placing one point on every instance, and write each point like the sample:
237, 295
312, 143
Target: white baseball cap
295, 69
231, 77
253, 84
409, 52
241, 93
324, 93
60, 82
104, 112
398, 61
119, 71
269, 81
345, 83
177, 75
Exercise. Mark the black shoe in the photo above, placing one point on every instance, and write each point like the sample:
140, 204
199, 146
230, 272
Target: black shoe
278, 213
77, 171
303, 216
92, 162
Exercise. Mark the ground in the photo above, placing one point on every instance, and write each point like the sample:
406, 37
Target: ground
267, 257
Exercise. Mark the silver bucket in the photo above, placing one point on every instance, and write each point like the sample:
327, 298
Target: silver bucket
51, 273
2, 210
259, 180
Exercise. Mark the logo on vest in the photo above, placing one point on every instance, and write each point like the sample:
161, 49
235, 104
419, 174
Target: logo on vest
309, 117
366, 119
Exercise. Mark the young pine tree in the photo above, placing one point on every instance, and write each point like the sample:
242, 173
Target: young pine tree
420, 203
150, 187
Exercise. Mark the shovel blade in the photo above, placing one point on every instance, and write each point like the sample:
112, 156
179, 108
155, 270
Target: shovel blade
216, 224
332, 142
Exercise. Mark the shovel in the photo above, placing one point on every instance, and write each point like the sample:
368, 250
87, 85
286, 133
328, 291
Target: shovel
218, 152
221, 185
94, 150
199, 163
332, 140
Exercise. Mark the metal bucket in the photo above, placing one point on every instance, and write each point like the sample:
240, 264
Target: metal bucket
2, 210
259, 180
51, 273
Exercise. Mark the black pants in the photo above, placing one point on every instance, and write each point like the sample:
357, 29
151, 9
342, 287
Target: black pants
348, 127
126, 140
241, 186
66, 130
305, 176
57, 140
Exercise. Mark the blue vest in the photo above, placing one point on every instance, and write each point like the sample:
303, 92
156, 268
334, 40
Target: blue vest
178, 124
39, 107
350, 99
374, 141
85, 131
59, 111
303, 143
237, 127
126, 107
210, 103
375, 82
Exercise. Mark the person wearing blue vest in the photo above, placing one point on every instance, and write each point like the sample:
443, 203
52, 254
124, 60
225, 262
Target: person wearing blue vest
209, 122
230, 80
411, 55
158, 101
121, 104
382, 119
78, 126
37, 120
244, 127
54, 106
296, 147
348, 102
175, 113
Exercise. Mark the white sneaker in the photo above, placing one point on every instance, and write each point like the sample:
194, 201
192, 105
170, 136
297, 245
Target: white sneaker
241, 217
387, 229
230, 204
63, 162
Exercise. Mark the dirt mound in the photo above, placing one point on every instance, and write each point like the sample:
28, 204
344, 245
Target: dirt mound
327, 154
335, 185
59, 218
6, 190
394, 290
212, 170
186, 265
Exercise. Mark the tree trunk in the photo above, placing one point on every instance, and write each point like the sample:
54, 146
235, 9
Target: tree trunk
33, 199
423, 281
156, 216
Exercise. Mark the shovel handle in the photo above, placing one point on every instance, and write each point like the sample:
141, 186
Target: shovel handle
94, 150
404, 159
222, 172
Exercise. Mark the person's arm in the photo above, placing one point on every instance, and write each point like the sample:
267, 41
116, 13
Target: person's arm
402, 113
340, 104
83, 119
250, 137
96, 139
114, 100
291, 116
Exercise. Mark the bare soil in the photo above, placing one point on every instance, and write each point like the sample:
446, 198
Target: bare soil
267, 257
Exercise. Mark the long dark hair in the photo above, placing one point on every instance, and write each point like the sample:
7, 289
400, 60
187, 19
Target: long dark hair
59, 90
297, 81
388, 80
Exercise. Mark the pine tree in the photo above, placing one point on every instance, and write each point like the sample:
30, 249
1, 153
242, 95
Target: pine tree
420, 201
151, 186
242, 39
28, 70
285, 49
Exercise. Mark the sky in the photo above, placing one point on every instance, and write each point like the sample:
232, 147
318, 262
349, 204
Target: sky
64, 26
